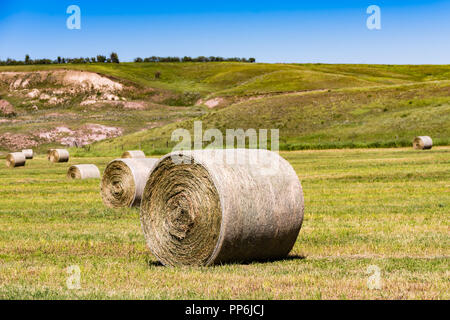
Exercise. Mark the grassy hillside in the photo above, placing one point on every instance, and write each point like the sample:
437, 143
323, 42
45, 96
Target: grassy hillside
385, 207
213, 78
385, 116
313, 105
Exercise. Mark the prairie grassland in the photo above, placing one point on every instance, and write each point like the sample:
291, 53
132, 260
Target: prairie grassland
315, 106
234, 78
387, 116
384, 207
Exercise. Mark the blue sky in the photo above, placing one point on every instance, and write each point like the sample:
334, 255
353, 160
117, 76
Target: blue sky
412, 32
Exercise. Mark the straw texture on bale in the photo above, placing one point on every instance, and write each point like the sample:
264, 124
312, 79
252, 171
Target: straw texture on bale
423, 143
16, 159
83, 171
49, 152
135, 154
124, 180
208, 210
59, 155
28, 153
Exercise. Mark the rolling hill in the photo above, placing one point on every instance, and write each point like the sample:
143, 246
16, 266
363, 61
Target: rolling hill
109, 107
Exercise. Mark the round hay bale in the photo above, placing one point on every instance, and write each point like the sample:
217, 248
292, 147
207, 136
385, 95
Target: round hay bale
124, 180
59, 155
83, 171
422, 143
135, 154
49, 152
28, 153
208, 210
16, 159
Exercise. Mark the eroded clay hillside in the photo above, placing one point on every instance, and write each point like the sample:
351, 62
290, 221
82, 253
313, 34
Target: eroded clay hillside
74, 108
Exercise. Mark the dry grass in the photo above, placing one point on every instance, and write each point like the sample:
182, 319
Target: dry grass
360, 211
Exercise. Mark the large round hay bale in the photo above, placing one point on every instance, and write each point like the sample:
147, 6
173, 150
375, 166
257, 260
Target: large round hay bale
16, 159
135, 154
422, 143
83, 171
59, 155
124, 180
28, 153
208, 210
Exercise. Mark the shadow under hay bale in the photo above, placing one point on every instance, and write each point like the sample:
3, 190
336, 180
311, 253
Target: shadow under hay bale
124, 180
59, 155
422, 143
28, 153
134, 154
200, 208
83, 171
16, 159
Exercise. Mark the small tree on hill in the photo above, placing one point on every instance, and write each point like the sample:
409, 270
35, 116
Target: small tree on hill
114, 58
101, 59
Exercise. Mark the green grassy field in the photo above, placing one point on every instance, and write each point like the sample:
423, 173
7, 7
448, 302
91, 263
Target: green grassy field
384, 207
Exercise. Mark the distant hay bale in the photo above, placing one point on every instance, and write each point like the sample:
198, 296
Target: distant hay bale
135, 154
49, 152
16, 159
28, 153
59, 155
83, 171
124, 180
208, 211
422, 143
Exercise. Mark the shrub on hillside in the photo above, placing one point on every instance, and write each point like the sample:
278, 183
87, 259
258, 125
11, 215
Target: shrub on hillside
101, 59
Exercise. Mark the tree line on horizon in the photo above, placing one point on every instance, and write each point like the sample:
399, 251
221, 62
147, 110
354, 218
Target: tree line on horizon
114, 58
191, 59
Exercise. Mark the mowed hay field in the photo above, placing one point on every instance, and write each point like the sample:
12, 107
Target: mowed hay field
388, 208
